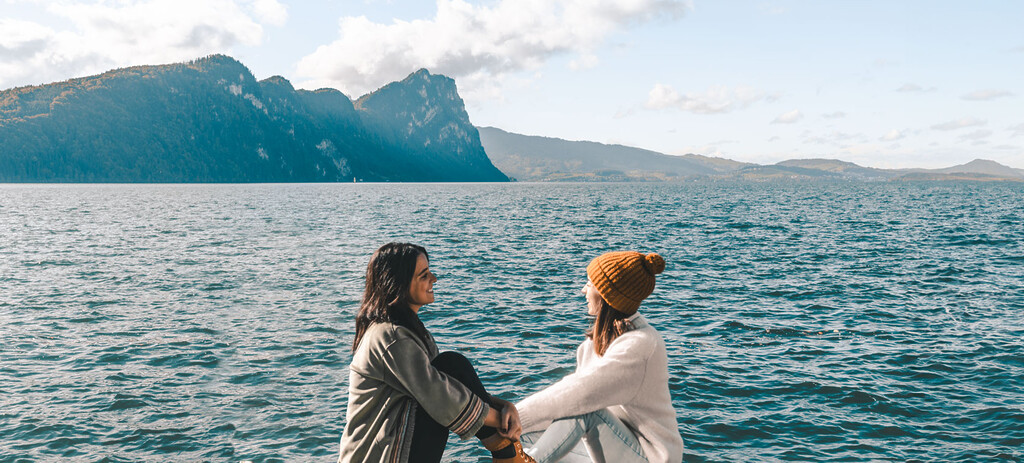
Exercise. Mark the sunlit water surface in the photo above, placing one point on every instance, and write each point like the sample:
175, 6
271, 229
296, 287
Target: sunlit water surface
804, 321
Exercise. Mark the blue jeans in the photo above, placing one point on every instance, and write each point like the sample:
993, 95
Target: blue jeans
598, 436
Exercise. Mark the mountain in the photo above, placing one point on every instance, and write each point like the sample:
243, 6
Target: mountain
840, 168
984, 167
210, 120
535, 158
720, 165
977, 170
778, 171
531, 158
424, 114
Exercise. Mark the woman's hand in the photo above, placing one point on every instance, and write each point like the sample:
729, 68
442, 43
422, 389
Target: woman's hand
510, 420
509, 426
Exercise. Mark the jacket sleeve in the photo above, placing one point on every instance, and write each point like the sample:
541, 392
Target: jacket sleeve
612, 379
407, 368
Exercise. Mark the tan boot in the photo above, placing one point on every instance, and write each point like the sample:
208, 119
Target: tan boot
496, 442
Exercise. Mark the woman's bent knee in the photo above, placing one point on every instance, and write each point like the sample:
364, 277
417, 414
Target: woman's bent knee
451, 363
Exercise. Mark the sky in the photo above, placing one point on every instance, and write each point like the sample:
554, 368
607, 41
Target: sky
889, 84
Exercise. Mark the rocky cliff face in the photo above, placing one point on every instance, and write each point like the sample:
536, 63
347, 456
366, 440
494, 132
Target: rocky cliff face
210, 120
423, 113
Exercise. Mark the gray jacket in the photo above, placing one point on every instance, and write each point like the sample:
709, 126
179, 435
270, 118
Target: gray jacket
390, 374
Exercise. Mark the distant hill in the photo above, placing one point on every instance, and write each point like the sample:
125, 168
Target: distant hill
840, 168
720, 165
781, 171
209, 120
984, 167
533, 158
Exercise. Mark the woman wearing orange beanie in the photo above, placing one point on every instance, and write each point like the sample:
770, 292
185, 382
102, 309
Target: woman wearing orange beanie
617, 401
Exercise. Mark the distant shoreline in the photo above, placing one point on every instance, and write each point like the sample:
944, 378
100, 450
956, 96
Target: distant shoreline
952, 179
528, 157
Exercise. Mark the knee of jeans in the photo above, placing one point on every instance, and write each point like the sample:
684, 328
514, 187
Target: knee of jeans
605, 415
451, 363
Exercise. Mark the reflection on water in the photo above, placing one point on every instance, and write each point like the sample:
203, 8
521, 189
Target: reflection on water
821, 321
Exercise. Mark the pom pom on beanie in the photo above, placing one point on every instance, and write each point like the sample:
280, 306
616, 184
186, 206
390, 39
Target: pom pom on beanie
654, 263
625, 278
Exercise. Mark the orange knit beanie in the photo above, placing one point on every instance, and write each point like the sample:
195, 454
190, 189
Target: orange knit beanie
625, 278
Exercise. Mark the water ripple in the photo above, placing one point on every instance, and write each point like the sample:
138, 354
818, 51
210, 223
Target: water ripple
804, 321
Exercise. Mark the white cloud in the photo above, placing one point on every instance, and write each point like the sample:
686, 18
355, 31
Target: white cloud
103, 35
716, 100
477, 44
833, 138
586, 61
21, 42
270, 12
22, 38
959, 124
977, 135
789, 118
834, 115
772, 10
1018, 130
983, 95
912, 88
892, 135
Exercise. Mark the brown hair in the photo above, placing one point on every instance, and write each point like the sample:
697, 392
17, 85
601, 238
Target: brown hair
386, 296
609, 325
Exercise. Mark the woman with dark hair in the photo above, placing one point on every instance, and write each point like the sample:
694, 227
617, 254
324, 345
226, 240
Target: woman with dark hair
405, 397
617, 401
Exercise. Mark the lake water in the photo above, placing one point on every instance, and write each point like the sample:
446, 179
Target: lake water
804, 321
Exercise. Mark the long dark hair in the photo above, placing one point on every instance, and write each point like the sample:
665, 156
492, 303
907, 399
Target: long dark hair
609, 325
386, 297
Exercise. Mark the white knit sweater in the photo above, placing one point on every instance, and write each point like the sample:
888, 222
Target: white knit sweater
630, 380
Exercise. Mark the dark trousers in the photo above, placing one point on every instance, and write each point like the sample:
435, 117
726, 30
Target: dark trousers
430, 437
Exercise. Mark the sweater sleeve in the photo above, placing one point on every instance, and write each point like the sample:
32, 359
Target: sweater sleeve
408, 369
604, 381
588, 344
